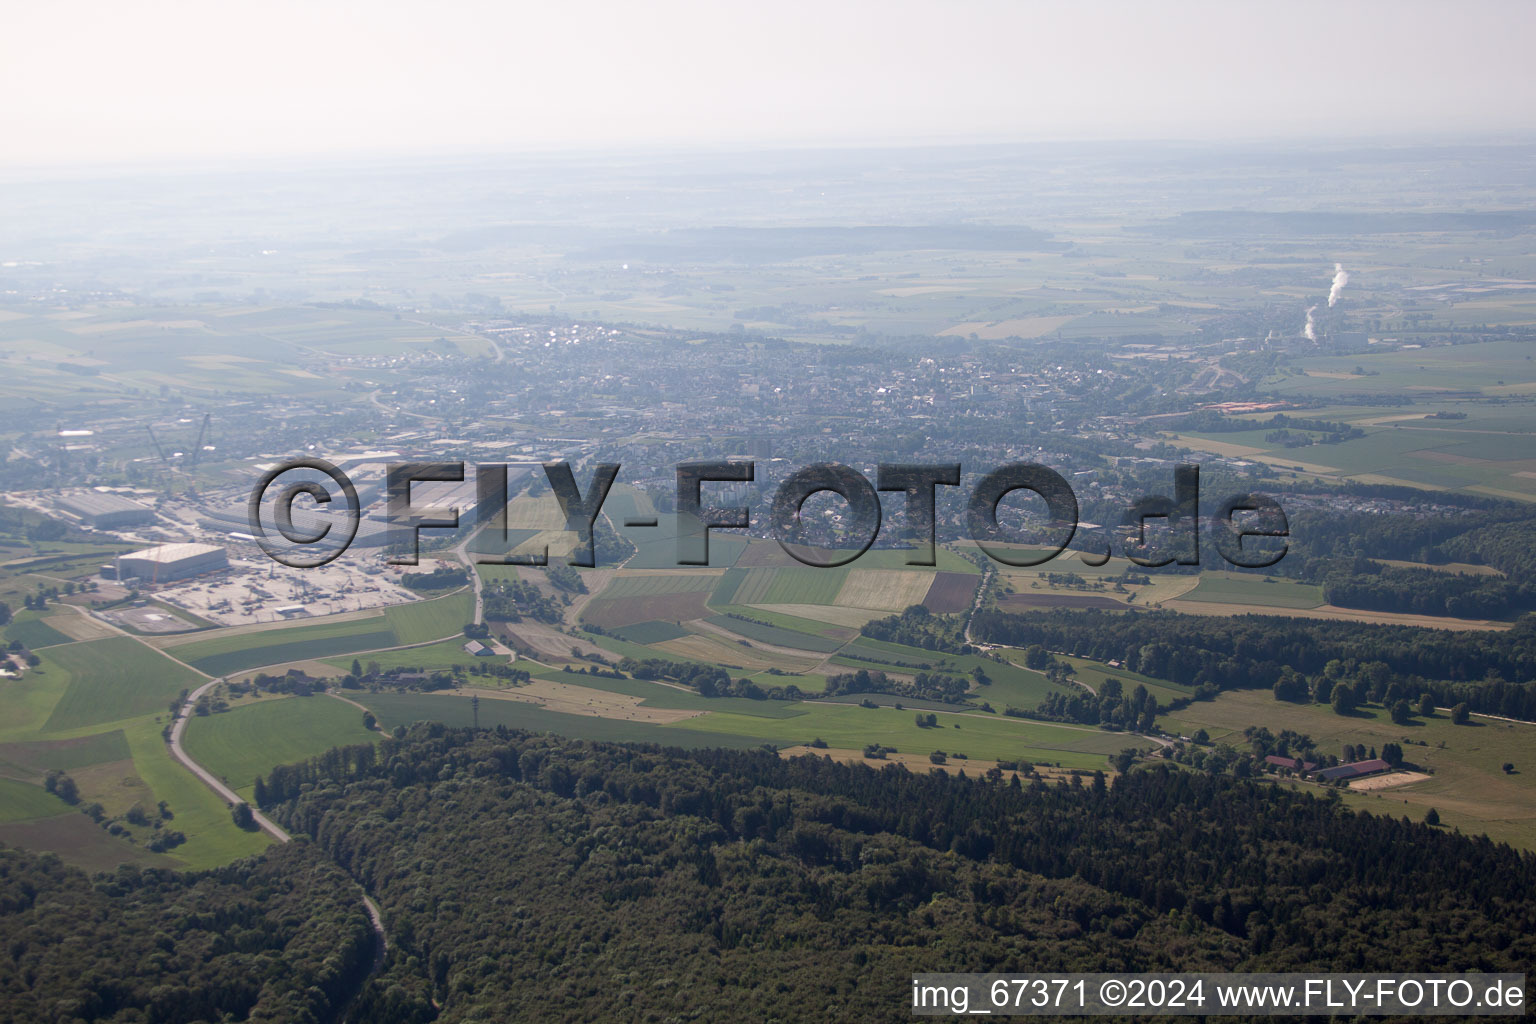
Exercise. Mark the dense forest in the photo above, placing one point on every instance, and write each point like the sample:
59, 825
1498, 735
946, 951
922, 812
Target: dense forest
1490, 672
281, 938
530, 877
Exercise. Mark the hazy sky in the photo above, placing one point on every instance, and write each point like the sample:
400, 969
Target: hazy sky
110, 81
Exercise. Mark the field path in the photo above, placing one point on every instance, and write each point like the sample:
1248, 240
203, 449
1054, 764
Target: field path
277, 832
188, 711
793, 652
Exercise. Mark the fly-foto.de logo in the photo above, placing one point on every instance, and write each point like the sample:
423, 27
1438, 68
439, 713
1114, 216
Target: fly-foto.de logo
321, 538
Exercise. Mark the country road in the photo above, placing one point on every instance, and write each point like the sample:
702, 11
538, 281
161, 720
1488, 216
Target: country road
277, 832
188, 710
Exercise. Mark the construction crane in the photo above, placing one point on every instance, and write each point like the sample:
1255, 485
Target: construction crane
197, 449
155, 439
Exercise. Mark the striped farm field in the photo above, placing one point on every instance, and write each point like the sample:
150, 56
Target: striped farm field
650, 632
719, 651
647, 584
777, 635
890, 590
828, 614
800, 585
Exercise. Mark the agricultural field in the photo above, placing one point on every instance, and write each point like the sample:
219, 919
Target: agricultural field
402, 709
427, 657
1466, 786
799, 585
656, 546
112, 680
398, 626
653, 583
890, 590
736, 658
440, 617
34, 631
247, 741
651, 632
239, 652
951, 592
1249, 589
775, 635
983, 736
676, 606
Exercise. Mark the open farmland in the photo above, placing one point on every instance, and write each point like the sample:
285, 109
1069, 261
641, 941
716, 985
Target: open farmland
982, 736
611, 613
652, 632
111, 680
1248, 589
399, 709
775, 635
799, 585
224, 654
440, 617
1466, 786
889, 590
250, 740
951, 592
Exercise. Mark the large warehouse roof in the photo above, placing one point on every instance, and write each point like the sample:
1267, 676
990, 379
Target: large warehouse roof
173, 552
95, 504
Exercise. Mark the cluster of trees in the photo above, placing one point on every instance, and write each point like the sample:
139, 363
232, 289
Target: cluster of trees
1213, 653
918, 627
445, 577
512, 600
1428, 592
1109, 707
803, 884
1209, 421
425, 680
939, 686
295, 682
709, 680
567, 579
279, 938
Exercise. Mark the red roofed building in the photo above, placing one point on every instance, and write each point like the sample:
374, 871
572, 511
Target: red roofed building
1290, 764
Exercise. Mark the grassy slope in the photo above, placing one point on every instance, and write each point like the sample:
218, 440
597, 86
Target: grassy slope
112, 680
251, 740
1468, 788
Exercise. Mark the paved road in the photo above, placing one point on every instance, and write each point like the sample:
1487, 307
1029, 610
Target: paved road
188, 710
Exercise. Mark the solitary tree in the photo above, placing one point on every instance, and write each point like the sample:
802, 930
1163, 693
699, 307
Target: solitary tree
243, 816
1432, 817
1426, 705
1460, 714
1343, 699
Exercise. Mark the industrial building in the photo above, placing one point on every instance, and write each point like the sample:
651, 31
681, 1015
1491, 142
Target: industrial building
170, 562
104, 511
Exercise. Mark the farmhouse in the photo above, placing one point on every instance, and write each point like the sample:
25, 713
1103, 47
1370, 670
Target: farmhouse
1274, 761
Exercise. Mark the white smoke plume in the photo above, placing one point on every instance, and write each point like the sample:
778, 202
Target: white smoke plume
1310, 330
1340, 279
